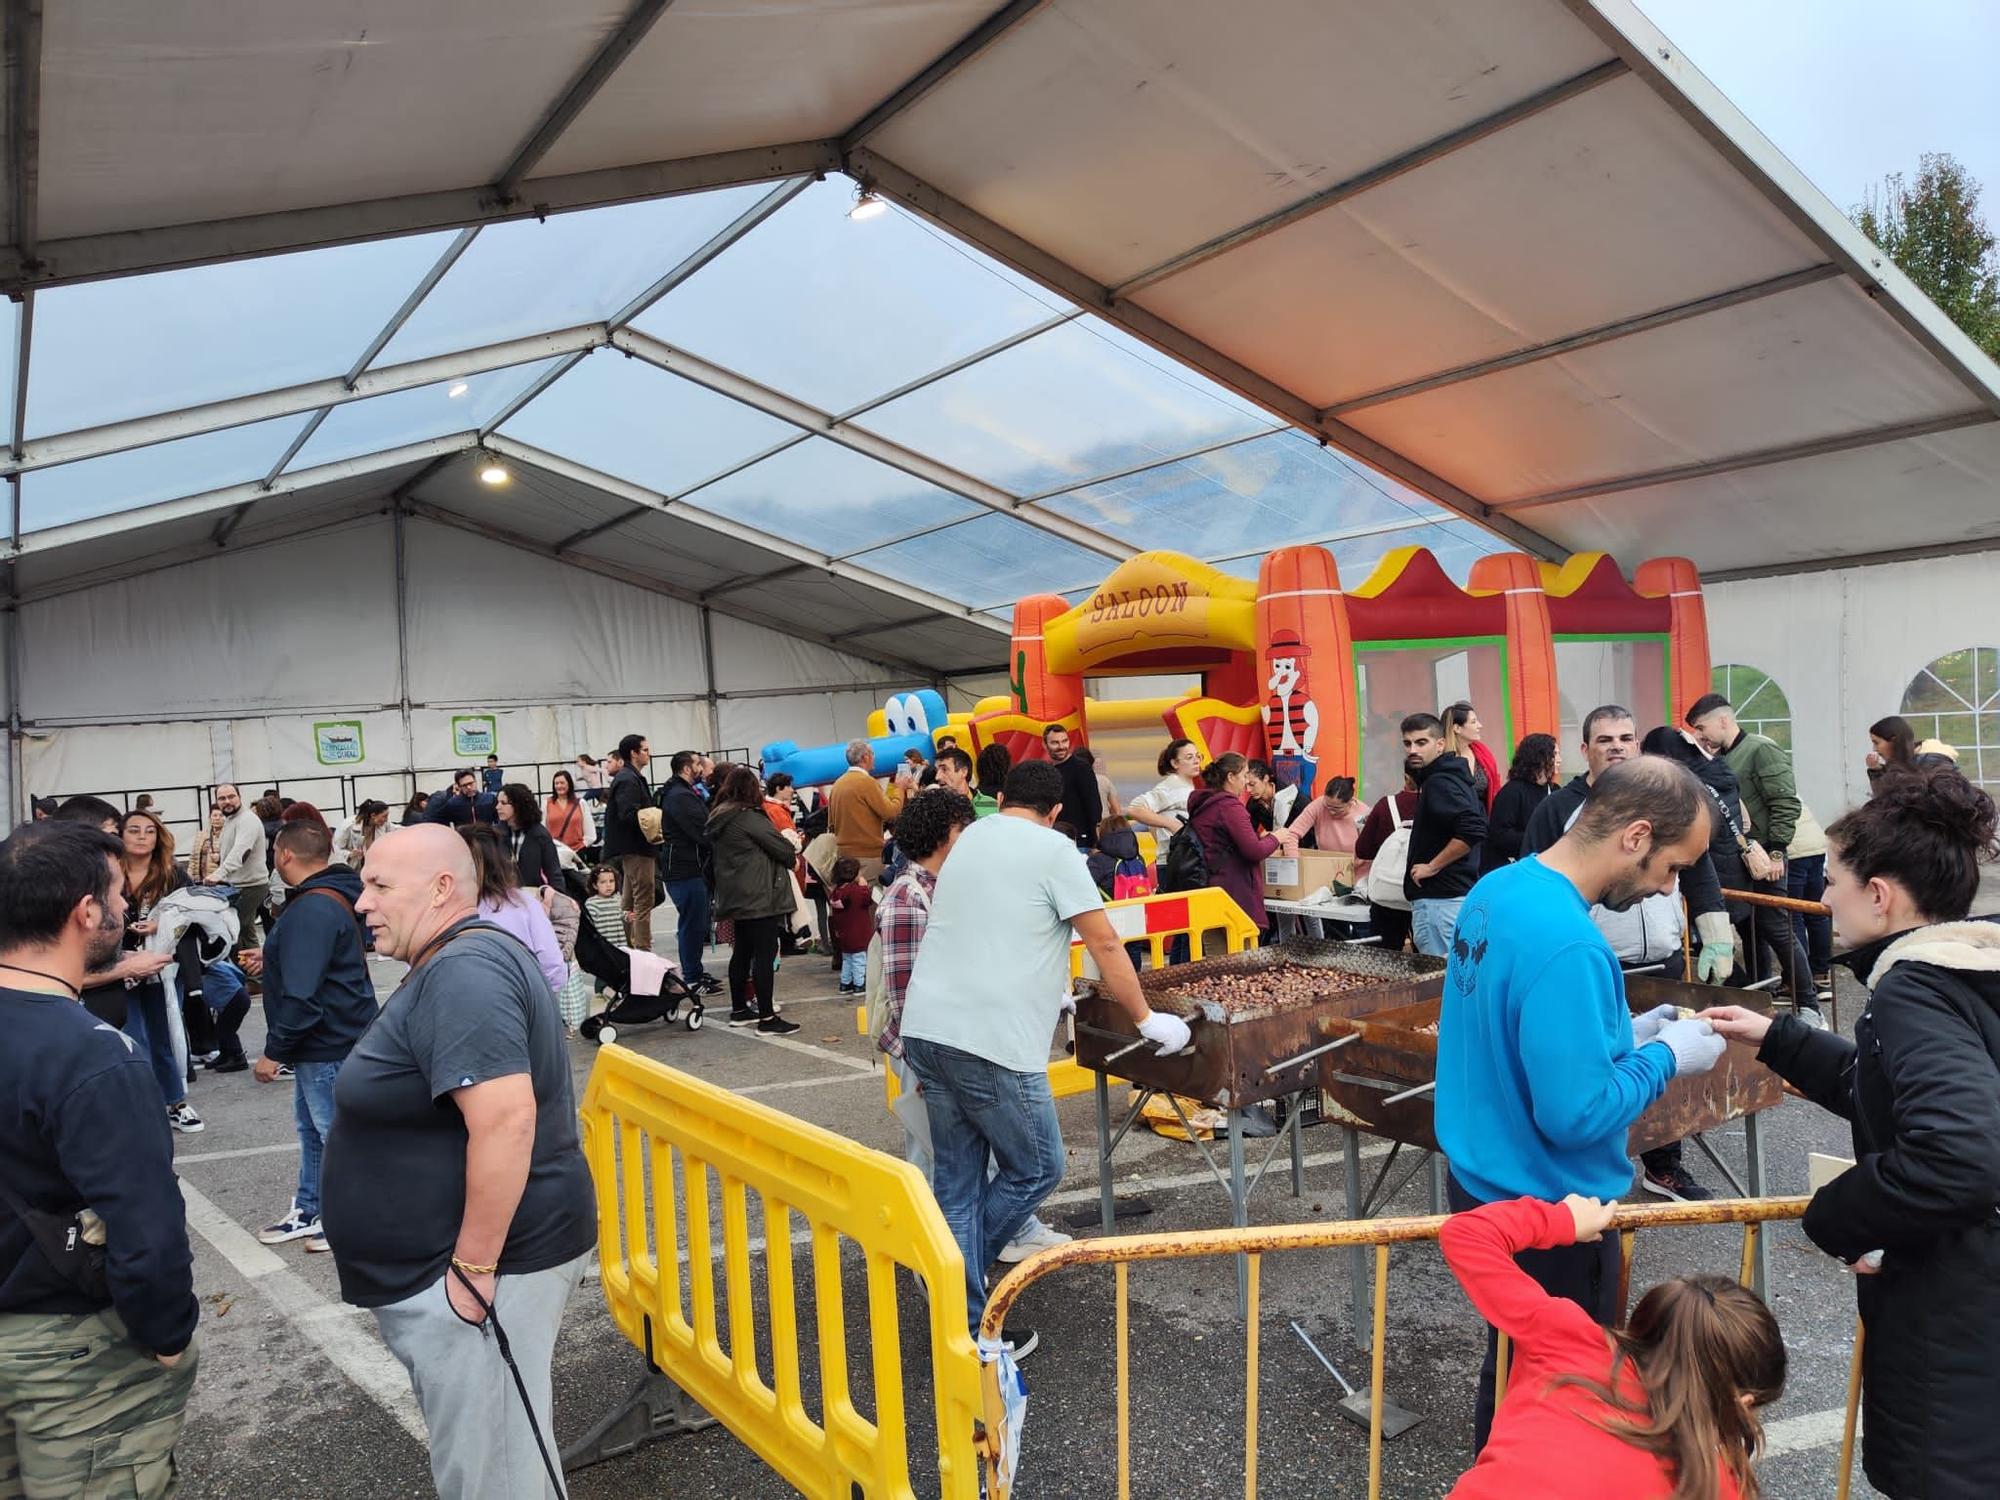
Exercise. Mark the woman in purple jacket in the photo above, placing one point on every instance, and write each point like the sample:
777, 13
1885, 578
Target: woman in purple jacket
1234, 850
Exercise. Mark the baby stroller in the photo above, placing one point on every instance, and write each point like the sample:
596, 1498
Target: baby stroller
612, 965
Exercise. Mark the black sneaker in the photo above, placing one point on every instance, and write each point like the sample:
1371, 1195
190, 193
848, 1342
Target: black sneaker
235, 1063
1674, 1183
775, 1026
708, 984
742, 1016
1020, 1342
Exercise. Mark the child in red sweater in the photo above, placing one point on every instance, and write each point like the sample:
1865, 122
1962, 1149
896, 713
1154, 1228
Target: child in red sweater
1663, 1409
853, 923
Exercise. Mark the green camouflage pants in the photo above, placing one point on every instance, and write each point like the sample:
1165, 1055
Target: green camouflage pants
84, 1411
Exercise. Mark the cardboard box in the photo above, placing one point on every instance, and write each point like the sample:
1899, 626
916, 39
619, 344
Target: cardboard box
1306, 875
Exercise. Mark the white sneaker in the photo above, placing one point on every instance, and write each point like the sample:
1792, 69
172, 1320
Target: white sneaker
1037, 1236
1811, 1015
183, 1118
294, 1226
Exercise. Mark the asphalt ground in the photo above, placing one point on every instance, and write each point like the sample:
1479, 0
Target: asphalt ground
297, 1395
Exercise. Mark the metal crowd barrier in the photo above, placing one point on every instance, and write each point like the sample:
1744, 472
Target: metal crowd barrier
1121, 1251
646, 1125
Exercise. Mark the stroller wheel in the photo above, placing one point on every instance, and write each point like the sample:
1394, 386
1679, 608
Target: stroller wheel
606, 1035
694, 1018
590, 1026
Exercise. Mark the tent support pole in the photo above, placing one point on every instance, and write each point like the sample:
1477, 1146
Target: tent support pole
708, 675
397, 515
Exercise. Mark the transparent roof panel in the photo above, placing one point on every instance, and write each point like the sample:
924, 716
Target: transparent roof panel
166, 471
107, 350
10, 330
987, 562
1277, 489
1455, 544
416, 415
633, 419
837, 312
1065, 407
831, 498
535, 276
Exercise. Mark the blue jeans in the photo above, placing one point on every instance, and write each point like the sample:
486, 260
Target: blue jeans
1433, 923
854, 969
978, 1111
312, 1112
691, 905
1805, 880
146, 1024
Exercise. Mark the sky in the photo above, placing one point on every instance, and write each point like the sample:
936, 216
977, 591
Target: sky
1851, 91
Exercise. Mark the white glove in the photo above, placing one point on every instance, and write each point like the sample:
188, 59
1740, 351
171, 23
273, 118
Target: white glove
1694, 1044
1646, 1027
1068, 1004
1716, 959
1168, 1033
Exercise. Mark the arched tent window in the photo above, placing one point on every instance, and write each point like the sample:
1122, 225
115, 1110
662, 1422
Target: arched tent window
1760, 704
1957, 699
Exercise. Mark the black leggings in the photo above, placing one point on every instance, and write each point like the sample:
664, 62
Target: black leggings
753, 961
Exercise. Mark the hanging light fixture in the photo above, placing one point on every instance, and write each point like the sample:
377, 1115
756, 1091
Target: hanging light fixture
492, 471
868, 204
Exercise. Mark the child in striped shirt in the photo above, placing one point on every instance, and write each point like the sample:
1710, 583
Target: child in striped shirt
604, 911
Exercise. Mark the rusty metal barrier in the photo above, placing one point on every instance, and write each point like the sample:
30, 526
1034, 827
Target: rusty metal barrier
1754, 957
1119, 1252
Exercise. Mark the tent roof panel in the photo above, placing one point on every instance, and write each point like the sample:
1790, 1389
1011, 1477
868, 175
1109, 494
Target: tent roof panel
1700, 390
716, 77
183, 110
1177, 123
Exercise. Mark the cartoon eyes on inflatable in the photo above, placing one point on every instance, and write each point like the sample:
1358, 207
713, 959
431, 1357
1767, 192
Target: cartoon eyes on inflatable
906, 715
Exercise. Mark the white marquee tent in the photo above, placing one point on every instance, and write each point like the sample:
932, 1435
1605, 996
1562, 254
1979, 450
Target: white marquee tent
288, 277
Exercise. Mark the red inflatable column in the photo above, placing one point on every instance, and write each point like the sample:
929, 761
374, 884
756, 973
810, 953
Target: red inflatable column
1045, 696
1531, 647
1305, 667
1676, 580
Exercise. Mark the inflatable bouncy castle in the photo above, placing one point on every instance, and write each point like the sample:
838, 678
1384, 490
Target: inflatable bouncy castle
1316, 678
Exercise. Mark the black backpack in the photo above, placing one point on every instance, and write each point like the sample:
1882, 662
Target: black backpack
1186, 865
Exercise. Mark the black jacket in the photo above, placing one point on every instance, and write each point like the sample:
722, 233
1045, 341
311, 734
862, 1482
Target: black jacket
449, 808
753, 864
536, 855
81, 1125
1448, 807
1508, 822
1921, 1084
1698, 881
623, 799
1082, 807
686, 854
318, 998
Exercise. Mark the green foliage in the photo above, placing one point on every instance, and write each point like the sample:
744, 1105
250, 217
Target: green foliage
1933, 230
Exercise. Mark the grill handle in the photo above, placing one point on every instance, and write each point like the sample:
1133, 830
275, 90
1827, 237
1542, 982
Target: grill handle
1325, 1047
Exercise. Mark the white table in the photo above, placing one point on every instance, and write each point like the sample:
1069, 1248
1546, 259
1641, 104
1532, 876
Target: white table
1325, 909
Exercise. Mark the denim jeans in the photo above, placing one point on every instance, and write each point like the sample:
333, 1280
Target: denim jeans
146, 1023
691, 905
854, 968
312, 1112
979, 1110
1805, 880
1433, 924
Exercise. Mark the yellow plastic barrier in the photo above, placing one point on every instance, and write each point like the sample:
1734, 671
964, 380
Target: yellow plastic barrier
641, 1119
1153, 920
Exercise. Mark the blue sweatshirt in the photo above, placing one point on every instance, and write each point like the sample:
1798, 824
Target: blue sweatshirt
1537, 1078
318, 998
81, 1125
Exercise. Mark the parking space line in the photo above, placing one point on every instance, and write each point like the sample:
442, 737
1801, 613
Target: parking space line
353, 1349
1814, 1429
802, 1083
199, 1156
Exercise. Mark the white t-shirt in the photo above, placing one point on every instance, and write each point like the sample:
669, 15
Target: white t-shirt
1166, 799
994, 963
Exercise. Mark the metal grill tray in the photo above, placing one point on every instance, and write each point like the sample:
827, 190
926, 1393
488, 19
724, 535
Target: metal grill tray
1247, 1053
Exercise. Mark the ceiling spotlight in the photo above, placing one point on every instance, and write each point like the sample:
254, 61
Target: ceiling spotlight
867, 205
458, 390
494, 472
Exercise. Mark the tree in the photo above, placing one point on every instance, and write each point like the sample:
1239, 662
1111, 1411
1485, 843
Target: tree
1935, 233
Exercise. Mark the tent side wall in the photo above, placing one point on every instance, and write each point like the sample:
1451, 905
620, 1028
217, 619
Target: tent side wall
1845, 644
222, 669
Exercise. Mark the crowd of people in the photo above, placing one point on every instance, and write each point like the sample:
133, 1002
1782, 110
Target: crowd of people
949, 894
